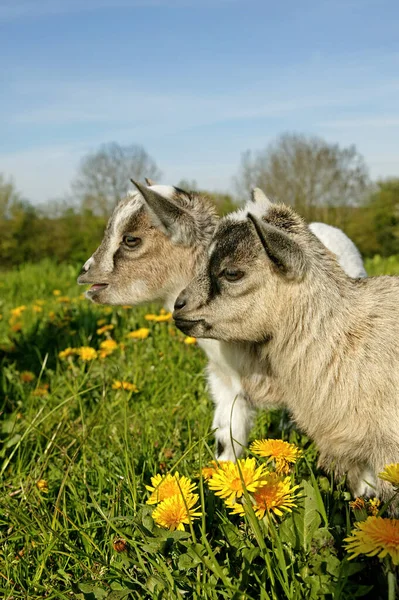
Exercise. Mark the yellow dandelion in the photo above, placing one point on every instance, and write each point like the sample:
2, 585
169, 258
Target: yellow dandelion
391, 474
51, 315
86, 353
139, 334
63, 299
101, 322
27, 376
41, 390
124, 385
126, 306
227, 483
373, 506
161, 318
210, 470
283, 453
40, 302
16, 327
37, 309
375, 537
166, 486
357, 504
17, 311
57, 292
105, 328
176, 511
276, 495
107, 347
190, 340
42, 485
67, 352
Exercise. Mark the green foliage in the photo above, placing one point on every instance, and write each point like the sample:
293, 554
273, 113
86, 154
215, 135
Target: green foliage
97, 447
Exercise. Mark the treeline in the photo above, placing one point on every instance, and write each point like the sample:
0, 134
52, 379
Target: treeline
323, 181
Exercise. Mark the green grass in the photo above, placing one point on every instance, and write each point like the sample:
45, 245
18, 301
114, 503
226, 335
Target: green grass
97, 448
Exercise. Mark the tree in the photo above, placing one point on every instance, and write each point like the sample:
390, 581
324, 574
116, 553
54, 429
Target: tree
9, 197
103, 176
308, 173
384, 210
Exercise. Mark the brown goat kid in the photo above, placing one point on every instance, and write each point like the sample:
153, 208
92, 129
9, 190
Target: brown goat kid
309, 338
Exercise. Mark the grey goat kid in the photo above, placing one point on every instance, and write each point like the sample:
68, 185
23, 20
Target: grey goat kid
152, 248
307, 336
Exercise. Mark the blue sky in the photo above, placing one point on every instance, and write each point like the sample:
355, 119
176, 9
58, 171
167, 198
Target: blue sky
196, 82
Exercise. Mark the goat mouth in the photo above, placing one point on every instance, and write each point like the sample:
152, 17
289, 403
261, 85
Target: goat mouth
96, 287
187, 325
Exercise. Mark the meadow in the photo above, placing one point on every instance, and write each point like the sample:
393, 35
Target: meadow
96, 401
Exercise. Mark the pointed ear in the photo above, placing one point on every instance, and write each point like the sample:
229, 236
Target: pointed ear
285, 253
176, 221
259, 196
149, 181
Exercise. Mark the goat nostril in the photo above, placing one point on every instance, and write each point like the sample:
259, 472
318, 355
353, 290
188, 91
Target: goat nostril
180, 303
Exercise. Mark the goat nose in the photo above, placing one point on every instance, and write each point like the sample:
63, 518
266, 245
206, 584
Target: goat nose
180, 303
86, 266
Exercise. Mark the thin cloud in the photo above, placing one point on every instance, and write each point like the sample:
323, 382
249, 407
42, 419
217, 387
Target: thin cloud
380, 121
40, 8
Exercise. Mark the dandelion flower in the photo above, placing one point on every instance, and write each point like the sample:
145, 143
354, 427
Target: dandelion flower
17, 311
357, 504
125, 385
86, 353
67, 352
42, 485
159, 318
166, 486
375, 537
139, 334
391, 474
27, 376
176, 511
190, 340
105, 328
63, 299
283, 453
276, 495
37, 309
227, 483
109, 345
41, 390
101, 322
57, 292
210, 470
16, 327
373, 506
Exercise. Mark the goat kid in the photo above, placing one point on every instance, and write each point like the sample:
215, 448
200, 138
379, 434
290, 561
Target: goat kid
153, 245
308, 337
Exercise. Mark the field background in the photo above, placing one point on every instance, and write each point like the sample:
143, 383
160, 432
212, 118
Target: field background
94, 448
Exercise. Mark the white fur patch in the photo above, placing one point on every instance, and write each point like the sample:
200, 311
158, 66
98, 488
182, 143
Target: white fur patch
344, 249
88, 263
367, 484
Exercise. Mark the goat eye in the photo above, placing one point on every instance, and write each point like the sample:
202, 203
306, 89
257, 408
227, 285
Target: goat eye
233, 274
130, 241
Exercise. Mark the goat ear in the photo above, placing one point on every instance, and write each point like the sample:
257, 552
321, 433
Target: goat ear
176, 221
286, 255
149, 181
259, 196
